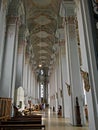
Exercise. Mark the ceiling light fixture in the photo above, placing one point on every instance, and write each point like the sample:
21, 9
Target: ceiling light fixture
40, 65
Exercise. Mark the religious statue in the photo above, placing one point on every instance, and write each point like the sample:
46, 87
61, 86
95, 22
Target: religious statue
68, 88
86, 80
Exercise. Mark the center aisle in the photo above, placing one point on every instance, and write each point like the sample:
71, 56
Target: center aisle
53, 122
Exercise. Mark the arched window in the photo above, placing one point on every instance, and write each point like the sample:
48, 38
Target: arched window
42, 91
42, 72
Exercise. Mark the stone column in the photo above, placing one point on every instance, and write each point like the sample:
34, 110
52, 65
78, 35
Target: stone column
20, 61
46, 93
29, 81
61, 79
25, 78
58, 81
2, 33
8, 75
34, 88
19, 71
65, 92
74, 65
56, 89
51, 90
88, 42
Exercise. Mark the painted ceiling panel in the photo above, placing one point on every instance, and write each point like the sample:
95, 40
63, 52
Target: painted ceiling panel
42, 3
43, 21
42, 34
43, 44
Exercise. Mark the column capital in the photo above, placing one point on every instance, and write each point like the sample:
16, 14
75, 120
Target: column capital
4, 4
67, 8
12, 20
71, 19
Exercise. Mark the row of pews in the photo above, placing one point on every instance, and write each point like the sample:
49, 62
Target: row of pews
23, 122
18, 121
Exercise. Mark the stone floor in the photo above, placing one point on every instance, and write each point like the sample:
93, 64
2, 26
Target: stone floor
53, 122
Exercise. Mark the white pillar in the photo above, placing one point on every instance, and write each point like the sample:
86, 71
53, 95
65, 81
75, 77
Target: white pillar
20, 56
88, 45
61, 78
29, 81
20, 61
58, 82
31, 86
52, 89
25, 79
73, 60
9, 58
56, 90
66, 95
36, 89
2, 34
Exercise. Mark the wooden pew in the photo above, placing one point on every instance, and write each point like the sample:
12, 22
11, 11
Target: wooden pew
21, 122
21, 126
33, 118
25, 121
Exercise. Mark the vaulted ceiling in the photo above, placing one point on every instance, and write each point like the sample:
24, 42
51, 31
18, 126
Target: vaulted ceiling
43, 20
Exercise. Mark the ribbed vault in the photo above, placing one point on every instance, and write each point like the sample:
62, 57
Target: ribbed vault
43, 20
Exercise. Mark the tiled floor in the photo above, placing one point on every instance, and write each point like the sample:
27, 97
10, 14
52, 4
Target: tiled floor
52, 122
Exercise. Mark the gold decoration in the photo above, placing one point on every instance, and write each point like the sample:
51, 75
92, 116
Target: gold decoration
86, 80
68, 88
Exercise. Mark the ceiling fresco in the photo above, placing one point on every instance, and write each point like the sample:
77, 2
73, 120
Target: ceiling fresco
43, 20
